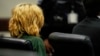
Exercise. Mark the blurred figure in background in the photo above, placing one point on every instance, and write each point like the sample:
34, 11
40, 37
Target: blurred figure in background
26, 23
90, 26
58, 15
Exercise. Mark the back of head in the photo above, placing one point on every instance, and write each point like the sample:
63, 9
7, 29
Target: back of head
26, 18
92, 7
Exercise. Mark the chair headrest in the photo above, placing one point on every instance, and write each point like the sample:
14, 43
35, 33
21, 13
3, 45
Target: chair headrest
73, 44
15, 43
67, 36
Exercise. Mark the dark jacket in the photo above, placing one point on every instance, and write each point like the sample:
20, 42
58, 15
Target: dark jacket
55, 14
90, 27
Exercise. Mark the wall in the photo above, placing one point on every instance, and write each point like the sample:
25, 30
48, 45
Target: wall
7, 5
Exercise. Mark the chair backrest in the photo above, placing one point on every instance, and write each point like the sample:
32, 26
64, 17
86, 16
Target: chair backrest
66, 44
16, 47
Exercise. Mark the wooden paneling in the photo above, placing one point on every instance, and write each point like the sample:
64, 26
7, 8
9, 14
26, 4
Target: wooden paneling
4, 24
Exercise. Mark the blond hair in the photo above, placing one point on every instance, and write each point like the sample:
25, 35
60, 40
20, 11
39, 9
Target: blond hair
26, 18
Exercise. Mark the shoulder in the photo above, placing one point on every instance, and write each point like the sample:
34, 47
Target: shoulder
29, 37
35, 39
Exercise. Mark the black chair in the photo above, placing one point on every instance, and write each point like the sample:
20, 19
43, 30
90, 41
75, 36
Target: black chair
16, 47
66, 44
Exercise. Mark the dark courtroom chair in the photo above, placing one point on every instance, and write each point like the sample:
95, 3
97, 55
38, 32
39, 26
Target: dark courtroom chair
66, 44
16, 47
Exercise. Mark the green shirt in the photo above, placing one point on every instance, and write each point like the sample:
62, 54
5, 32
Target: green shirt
37, 44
